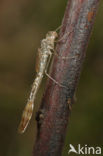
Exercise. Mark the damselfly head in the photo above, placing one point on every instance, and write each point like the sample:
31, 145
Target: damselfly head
52, 35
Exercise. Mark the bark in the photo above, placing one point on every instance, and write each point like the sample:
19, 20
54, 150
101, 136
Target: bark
54, 113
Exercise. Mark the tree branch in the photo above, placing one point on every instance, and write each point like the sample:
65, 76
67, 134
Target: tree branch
52, 118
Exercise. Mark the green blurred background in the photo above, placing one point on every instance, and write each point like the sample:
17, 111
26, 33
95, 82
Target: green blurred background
23, 24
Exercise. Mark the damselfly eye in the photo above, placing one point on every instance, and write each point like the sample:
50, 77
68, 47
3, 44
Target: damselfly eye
52, 34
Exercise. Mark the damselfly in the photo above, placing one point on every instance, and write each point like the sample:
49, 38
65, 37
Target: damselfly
44, 55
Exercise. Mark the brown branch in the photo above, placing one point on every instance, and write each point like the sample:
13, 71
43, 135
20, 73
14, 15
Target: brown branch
55, 110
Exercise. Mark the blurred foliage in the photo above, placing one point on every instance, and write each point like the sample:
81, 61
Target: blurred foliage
23, 24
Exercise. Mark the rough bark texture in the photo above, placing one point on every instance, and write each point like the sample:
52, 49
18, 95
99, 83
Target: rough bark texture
53, 116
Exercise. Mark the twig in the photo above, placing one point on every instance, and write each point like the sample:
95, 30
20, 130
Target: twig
55, 109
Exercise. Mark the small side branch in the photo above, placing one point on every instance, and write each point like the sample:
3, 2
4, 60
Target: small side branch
56, 104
